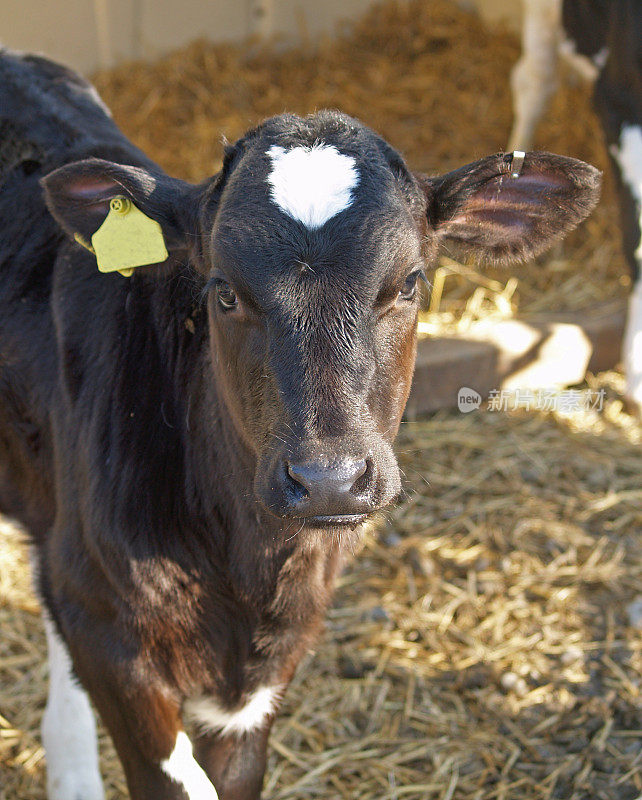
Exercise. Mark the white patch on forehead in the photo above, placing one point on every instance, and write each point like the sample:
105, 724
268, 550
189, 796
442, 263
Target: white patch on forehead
183, 768
312, 184
209, 715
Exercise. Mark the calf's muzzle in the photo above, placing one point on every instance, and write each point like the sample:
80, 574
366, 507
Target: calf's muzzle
327, 484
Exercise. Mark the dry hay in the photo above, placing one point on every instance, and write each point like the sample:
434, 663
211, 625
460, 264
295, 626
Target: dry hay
479, 646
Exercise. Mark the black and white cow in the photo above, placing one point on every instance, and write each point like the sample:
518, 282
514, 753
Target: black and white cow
603, 41
192, 449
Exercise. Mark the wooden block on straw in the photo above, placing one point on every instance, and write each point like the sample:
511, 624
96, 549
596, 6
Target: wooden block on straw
444, 366
545, 351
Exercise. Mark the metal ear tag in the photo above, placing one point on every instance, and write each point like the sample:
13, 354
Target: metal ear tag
127, 239
517, 163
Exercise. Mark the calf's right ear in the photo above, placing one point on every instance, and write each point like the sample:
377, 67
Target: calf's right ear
78, 196
511, 206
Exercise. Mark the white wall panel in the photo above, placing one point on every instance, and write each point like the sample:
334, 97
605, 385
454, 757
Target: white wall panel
88, 34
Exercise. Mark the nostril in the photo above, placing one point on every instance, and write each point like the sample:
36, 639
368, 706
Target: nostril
297, 474
363, 478
359, 469
297, 483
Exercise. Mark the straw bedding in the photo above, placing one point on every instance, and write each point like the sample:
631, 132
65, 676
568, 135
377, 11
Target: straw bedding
486, 643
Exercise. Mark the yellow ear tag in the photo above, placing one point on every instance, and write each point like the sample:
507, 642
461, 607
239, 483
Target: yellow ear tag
127, 239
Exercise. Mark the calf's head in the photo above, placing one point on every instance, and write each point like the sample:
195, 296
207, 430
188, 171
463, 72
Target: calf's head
310, 243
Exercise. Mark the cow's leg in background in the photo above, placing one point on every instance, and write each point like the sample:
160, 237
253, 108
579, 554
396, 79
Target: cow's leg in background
534, 77
68, 729
632, 348
627, 155
618, 101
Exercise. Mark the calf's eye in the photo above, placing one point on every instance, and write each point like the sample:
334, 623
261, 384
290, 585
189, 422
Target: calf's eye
409, 289
226, 295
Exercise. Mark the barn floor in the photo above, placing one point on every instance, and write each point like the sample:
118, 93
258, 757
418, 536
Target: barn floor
486, 643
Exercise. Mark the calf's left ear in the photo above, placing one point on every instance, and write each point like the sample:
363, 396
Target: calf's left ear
79, 194
506, 208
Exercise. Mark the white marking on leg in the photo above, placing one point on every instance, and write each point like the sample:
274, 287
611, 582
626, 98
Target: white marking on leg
629, 159
183, 768
312, 184
208, 714
68, 730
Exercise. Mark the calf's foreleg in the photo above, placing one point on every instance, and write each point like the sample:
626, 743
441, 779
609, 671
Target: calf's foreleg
145, 725
68, 729
235, 763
